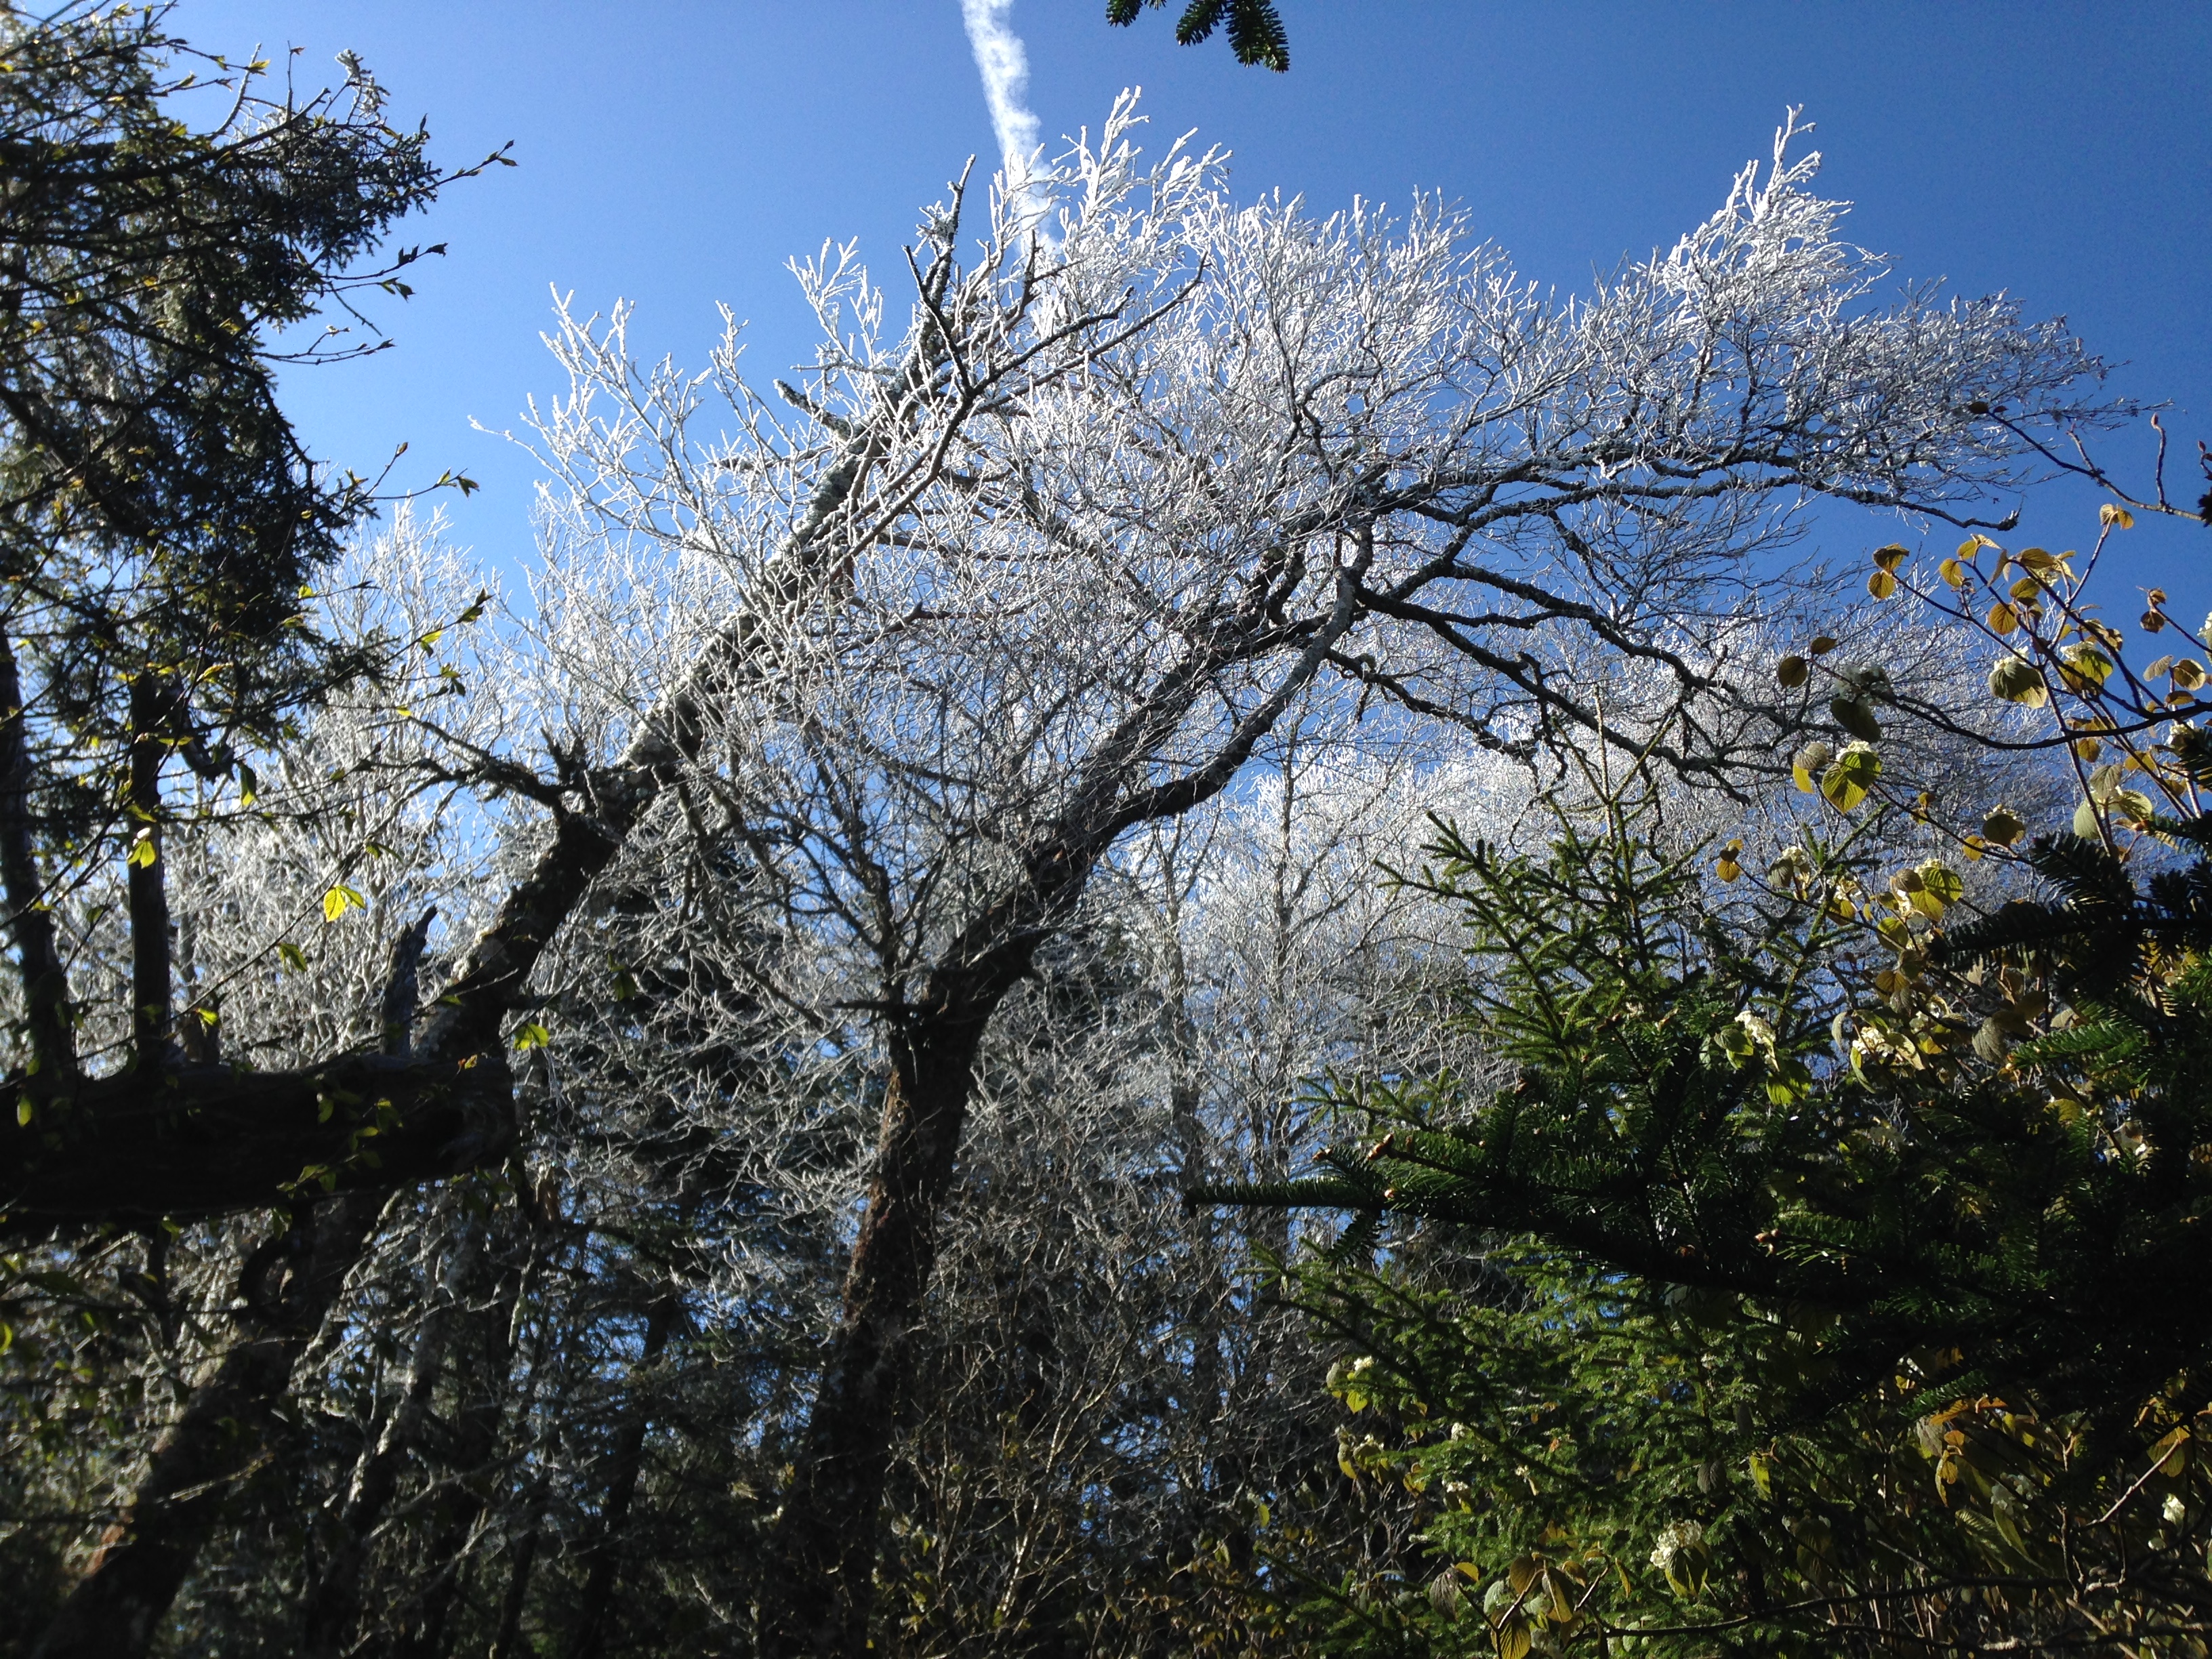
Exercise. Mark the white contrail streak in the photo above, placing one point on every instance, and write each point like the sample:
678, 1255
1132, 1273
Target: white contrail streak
1006, 70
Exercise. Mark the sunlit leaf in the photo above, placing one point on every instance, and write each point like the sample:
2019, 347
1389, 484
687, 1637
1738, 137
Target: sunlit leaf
1846, 783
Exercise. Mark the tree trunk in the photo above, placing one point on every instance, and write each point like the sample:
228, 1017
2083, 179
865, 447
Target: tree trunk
508, 1643
480, 1418
45, 980
604, 1548
221, 1440
151, 993
818, 1588
333, 1601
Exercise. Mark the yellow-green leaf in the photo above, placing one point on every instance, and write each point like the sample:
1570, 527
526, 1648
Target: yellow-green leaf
340, 899
1952, 573
2086, 668
2002, 618
1882, 584
1846, 783
532, 1034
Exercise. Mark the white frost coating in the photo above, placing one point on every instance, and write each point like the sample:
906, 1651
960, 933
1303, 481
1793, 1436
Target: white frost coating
1004, 68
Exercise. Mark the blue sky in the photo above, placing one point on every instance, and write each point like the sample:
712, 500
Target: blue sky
676, 152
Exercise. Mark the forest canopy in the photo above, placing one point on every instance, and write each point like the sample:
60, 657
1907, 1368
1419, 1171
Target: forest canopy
756, 1089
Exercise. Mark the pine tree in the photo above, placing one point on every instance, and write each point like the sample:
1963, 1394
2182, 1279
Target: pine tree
1839, 1247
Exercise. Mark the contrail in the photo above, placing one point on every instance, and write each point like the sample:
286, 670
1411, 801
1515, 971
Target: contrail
1006, 70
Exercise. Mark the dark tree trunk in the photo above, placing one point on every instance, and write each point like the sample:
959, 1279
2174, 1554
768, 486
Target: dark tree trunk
508, 1642
333, 1606
45, 981
150, 989
219, 1441
481, 1418
605, 1548
818, 1589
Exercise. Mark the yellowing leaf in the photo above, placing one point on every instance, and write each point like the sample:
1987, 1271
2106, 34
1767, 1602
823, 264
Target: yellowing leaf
1824, 644
1805, 765
2118, 517
2002, 618
2188, 674
1846, 783
1888, 558
1882, 584
341, 899
1953, 572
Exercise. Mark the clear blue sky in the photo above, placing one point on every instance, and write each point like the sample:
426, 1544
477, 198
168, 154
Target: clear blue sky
676, 152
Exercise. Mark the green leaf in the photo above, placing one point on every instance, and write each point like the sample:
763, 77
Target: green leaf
1855, 716
2016, 679
531, 1034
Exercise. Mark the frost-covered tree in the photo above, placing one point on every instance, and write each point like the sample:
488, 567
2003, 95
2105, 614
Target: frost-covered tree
1344, 459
